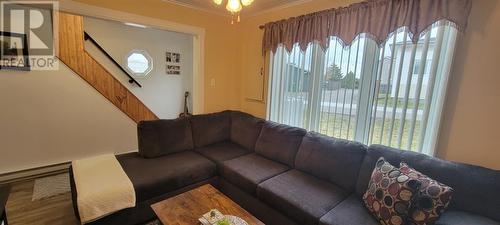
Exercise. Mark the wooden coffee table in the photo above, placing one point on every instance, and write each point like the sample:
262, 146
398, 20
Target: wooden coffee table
186, 208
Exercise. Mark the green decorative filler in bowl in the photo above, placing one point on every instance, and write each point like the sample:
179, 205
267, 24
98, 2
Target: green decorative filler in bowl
234, 220
224, 221
214, 217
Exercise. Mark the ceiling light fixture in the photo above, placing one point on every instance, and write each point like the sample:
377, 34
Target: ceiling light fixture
234, 7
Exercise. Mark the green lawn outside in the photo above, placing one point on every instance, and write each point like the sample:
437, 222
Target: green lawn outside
400, 103
332, 127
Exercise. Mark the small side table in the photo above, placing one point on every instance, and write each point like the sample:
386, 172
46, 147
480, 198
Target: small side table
4, 195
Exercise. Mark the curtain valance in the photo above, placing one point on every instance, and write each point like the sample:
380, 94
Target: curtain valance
377, 18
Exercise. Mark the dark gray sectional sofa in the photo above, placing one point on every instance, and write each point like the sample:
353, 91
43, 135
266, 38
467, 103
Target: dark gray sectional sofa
284, 175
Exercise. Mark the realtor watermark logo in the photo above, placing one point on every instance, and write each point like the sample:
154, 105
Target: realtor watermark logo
28, 35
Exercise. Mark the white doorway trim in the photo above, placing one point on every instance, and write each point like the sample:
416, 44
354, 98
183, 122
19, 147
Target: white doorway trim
198, 33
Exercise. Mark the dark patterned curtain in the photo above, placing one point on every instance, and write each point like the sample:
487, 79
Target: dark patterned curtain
376, 18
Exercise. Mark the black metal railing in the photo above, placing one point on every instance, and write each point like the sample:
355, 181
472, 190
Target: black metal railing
131, 79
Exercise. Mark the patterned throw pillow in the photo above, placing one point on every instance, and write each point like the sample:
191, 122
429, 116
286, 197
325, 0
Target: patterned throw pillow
390, 193
430, 201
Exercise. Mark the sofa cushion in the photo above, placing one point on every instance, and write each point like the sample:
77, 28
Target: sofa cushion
300, 196
222, 151
475, 188
351, 211
390, 193
248, 171
279, 142
431, 199
335, 160
211, 128
162, 137
464, 218
245, 129
157, 176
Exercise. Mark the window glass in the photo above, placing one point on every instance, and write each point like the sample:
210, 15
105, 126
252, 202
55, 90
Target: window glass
139, 63
389, 94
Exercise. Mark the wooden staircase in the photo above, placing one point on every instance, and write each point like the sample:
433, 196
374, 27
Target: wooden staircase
72, 53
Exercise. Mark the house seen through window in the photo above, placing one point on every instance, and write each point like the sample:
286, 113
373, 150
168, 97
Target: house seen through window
390, 94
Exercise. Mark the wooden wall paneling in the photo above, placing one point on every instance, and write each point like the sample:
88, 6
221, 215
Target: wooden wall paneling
91, 78
132, 105
71, 41
147, 114
72, 53
120, 93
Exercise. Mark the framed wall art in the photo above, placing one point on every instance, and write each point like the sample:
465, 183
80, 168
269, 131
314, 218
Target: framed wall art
14, 54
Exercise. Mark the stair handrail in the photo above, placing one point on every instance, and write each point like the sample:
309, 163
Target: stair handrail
131, 80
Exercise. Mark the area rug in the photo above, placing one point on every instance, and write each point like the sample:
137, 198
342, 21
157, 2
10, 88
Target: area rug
47, 187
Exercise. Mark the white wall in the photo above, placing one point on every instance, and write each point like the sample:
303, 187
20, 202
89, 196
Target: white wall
50, 117
162, 93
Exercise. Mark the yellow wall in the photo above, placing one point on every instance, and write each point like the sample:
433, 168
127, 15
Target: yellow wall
471, 123
251, 53
470, 130
220, 45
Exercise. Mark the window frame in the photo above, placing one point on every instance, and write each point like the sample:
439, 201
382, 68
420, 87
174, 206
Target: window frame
146, 55
370, 84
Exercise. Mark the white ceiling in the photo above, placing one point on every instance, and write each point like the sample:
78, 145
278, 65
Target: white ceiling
258, 6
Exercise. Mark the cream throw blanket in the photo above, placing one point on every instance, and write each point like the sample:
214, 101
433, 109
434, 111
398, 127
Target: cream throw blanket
102, 187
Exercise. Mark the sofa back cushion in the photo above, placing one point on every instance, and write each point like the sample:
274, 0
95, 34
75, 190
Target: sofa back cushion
162, 137
475, 188
245, 129
279, 142
331, 159
211, 128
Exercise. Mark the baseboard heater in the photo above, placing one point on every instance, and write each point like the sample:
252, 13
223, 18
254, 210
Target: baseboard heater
33, 173
37, 172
